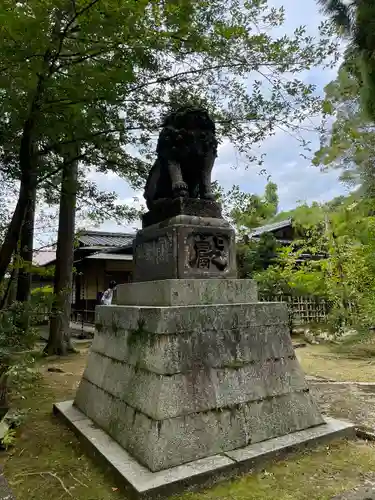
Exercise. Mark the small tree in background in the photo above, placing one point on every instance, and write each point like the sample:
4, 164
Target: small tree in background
256, 256
344, 236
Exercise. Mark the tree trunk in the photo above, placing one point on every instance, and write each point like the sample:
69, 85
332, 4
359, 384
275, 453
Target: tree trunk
4, 403
11, 296
28, 183
59, 341
13, 233
26, 250
10, 291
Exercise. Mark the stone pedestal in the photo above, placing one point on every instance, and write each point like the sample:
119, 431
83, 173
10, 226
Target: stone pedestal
166, 209
175, 244
190, 379
173, 384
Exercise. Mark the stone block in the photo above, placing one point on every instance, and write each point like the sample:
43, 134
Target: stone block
166, 396
276, 447
145, 484
191, 247
186, 292
182, 352
159, 444
94, 403
175, 383
166, 209
150, 321
281, 415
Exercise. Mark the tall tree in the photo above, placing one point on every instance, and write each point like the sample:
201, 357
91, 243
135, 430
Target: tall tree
26, 250
348, 140
356, 21
59, 342
108, 71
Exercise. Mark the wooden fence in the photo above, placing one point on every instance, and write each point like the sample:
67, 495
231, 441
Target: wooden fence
302, 310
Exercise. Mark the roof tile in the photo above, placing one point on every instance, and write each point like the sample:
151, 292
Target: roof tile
97, 238
268, 228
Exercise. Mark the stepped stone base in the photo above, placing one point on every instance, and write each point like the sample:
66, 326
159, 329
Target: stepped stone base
192, 381
138, 481
186, 292
173, 384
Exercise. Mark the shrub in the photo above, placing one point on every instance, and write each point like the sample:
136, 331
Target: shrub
17, 340
42, 301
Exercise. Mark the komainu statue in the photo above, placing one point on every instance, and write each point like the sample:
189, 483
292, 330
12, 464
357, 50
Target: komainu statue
186, 151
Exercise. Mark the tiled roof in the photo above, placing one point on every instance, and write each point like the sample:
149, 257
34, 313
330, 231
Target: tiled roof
44, 256
98, 238
110, 256
269, 228
92, 240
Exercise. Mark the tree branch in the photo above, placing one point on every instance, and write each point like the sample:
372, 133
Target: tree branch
50, 148
84, 58
77, 15
166, 79
62, 35
60, 167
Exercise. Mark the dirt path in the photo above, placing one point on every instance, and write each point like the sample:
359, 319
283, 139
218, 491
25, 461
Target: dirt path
344, 388
350, 402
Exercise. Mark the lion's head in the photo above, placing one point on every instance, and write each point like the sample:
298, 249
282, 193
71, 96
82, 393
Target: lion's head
187, 131
189, 118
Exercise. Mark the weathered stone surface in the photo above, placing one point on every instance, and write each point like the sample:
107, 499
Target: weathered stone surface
363, 492
159, 444
198, 473
331, 429
173, 384
165, 209
206, 341
5, 491
182, 352
165, 396
147, 321
187, 247
186, 292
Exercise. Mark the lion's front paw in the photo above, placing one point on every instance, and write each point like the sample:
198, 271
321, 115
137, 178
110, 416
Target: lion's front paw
180, 189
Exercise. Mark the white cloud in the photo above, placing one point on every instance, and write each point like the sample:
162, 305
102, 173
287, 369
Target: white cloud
296, 178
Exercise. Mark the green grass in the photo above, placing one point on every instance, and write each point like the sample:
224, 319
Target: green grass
361, 345
47, 457
316, 474
48, 462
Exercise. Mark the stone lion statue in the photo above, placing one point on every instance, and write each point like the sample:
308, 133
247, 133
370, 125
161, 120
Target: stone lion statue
186, 152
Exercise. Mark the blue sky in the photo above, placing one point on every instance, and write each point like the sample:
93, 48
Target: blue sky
297, 180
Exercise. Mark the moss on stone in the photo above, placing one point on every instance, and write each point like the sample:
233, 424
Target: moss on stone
99, 327
140, 336
236, 363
